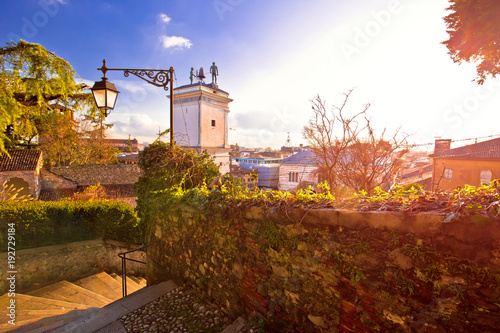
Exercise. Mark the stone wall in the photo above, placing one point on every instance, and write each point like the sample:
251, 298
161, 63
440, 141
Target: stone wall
42, 266
52, 181
105, 174
335, 271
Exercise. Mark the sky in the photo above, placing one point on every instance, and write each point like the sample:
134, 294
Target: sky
273, 58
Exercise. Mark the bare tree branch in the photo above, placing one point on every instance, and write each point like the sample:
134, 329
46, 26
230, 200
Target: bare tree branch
351, 152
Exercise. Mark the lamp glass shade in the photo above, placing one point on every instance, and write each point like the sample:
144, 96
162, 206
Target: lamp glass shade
105, 94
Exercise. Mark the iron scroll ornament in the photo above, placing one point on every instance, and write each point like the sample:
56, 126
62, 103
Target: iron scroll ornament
157, 77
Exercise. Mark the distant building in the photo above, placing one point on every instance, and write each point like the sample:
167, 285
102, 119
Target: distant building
267, 168
292, 150
468, 165
124, 145
420, 174
132, 158
298, 170
22, 171
249, 178
201, 121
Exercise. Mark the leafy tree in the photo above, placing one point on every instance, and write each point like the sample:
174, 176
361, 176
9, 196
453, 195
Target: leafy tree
166, 166
349, 151
474, 35
73, 142
32, 80
168, 169
39, 98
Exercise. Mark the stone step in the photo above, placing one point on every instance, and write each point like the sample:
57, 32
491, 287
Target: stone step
102, 284
96, 320
131, 285
135, 286
27, 302
49, 324
64, 303
143, 281
32, 315
32, 308
69, 292
136, 280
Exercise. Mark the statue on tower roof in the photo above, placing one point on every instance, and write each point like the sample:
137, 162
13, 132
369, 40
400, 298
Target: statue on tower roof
192, 75
215, 72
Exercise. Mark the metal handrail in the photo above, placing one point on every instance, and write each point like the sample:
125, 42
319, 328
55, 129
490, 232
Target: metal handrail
123, 255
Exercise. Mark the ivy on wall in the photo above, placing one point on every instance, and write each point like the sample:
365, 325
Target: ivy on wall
248, 251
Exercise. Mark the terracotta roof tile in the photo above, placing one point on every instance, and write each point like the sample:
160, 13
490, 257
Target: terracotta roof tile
20, 160
483, 150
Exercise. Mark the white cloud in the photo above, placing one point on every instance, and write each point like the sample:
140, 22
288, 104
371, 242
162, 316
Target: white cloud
164, 18
175, 42
140, 126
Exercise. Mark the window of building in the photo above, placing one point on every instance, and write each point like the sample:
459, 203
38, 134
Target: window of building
213, 122
448, 174
485, 176
293, 177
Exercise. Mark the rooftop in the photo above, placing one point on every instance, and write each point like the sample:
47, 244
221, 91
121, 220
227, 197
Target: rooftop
302, 158
482, 150
20, 160
199, 86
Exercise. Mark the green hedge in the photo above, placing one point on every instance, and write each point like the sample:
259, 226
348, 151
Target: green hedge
39, 223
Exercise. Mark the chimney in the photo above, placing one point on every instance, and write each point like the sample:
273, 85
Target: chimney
441, 145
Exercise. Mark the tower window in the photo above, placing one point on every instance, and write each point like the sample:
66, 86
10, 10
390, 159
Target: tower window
213, 123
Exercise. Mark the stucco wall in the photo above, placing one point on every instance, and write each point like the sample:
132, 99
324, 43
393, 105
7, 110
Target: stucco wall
213, 136
306, 174
42, 266
186, 123
335, 271
464, 172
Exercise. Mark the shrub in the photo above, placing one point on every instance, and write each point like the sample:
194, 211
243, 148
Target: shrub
40, 223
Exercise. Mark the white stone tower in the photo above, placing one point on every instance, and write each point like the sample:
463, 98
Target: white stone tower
201, 120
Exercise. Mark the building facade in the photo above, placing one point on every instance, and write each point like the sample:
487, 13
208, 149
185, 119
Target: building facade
299, 170
468, 165
267, 168
201, 120
248, 178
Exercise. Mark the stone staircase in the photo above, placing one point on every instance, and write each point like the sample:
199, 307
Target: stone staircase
51, 308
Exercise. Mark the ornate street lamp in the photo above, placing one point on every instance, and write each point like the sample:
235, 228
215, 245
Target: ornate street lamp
105, 92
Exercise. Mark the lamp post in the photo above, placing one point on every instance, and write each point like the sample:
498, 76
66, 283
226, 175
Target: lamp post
105, 93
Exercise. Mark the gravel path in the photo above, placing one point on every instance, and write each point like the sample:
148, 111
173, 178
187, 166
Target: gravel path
176, 312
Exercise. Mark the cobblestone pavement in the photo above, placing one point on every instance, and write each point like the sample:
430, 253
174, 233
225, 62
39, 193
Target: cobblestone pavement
179, 311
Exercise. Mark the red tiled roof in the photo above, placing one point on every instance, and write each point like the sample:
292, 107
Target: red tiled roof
20, 160
483, 150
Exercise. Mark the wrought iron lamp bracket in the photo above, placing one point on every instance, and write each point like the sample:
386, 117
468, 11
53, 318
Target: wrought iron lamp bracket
156, 77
